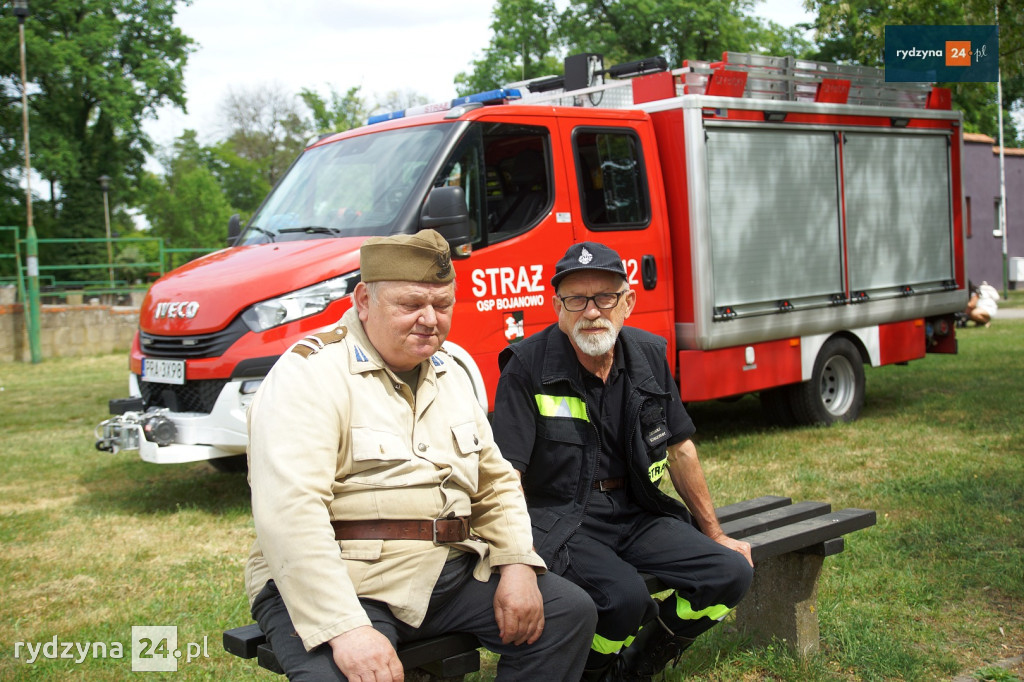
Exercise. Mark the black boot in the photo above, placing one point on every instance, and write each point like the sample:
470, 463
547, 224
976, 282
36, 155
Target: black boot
597, 666
648, 654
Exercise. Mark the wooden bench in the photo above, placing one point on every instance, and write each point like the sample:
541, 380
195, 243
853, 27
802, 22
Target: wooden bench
788, 543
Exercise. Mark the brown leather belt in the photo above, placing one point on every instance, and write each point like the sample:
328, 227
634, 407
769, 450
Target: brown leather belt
609, 484
440, 531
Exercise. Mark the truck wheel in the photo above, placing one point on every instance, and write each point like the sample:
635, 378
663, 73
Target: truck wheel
233, 464
777, 406
835, 392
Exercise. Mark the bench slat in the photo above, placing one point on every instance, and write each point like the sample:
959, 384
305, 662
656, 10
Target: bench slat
827, 548
775, 518
242, 641
731, 512
453, 666
808, 532
267, 659
415, 654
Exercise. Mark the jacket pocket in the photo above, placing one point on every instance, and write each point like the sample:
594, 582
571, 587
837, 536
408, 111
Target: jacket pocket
556, 465
379, 458
361, 550
562, 430
466, 468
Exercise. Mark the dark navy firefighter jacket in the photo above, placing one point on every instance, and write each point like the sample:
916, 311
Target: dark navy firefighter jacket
542, 426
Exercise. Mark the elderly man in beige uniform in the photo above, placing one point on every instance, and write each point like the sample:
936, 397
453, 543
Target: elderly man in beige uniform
383, 510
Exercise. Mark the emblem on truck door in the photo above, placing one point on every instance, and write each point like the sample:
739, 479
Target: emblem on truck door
180, 309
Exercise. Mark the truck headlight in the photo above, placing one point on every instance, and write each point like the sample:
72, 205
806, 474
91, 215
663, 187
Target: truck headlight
274, 312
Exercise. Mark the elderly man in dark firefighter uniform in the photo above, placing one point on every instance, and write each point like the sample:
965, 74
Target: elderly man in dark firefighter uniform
588, 413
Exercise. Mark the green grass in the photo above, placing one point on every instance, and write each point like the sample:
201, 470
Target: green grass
94, 543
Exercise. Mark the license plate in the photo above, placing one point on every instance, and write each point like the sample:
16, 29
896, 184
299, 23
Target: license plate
163, 371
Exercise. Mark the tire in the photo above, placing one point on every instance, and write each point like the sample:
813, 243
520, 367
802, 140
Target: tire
777, 406
232, 464
835, 392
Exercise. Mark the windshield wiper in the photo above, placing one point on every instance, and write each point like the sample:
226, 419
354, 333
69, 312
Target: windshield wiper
311, 229
270, 235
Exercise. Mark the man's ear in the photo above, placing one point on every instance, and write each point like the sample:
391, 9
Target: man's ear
361, 300
630, 302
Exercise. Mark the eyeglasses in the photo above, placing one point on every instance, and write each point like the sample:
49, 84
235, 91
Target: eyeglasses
575, 304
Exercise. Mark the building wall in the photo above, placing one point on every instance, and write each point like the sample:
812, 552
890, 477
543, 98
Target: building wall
67, 330
981, 191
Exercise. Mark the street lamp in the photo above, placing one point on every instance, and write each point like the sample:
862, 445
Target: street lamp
31, 243
21, 11
104, 181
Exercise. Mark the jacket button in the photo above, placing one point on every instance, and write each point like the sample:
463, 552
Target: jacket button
422, 447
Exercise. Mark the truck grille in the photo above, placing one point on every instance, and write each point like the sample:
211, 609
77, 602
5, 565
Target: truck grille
195, 396
198, 346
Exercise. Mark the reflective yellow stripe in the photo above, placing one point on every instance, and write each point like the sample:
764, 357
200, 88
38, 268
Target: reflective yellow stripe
607, 646
658, 470
561, 406
686, 612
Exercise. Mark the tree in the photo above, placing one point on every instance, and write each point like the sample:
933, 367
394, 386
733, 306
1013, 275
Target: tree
265, 126
525, 44
96, 69
342, 112
854, 32
397, 100
531, 36
186, 206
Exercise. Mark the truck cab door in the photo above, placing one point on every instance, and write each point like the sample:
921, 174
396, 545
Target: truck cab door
617, 199
512, 172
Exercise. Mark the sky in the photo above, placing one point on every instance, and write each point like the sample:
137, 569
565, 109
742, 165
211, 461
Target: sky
378, 45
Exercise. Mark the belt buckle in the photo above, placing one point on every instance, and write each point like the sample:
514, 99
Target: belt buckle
601, 488
433, 527
455, 519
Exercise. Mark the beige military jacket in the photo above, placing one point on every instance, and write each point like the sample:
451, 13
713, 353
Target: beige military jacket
336, 435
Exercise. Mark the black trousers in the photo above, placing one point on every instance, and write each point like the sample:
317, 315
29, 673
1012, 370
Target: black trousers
618, 541
459, 604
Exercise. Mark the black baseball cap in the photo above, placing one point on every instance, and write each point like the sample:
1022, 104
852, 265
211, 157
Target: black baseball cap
588, 256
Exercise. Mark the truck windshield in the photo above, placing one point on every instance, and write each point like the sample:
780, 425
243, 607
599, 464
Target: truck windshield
353, 187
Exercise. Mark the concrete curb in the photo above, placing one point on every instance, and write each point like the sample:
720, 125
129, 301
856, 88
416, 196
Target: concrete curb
1005, 665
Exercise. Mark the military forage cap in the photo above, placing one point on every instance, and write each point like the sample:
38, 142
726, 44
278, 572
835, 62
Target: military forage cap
420, 257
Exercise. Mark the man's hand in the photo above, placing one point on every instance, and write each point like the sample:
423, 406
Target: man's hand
518, 605
365, 655
737, 545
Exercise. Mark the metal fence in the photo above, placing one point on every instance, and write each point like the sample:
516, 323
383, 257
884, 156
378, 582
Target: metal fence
111, 282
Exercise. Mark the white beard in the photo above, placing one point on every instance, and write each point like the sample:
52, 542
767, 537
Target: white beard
594, 345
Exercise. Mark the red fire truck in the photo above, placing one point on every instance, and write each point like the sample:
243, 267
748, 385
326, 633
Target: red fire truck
784, 222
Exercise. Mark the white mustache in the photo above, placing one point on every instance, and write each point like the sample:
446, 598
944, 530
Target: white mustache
596, 324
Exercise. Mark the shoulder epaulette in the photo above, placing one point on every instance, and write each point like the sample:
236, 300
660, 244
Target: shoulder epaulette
312, 344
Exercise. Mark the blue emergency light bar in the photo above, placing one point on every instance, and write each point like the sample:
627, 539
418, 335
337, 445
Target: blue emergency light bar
490, 97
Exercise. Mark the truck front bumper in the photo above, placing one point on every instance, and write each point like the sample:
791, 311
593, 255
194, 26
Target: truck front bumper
165, 437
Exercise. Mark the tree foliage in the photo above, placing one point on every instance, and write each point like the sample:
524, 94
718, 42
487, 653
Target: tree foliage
854, 32
531, 37
265, 126
187, 206
337, 113
96, 70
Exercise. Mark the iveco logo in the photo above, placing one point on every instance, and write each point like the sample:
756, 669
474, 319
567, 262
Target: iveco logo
181, 309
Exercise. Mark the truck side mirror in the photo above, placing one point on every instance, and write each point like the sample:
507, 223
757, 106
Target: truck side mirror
234, 229
445, 211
